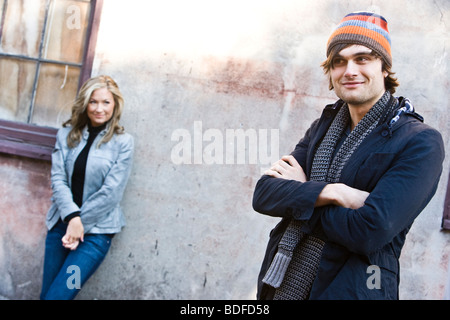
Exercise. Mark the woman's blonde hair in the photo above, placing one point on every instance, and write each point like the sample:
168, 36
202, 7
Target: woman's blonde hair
79, 118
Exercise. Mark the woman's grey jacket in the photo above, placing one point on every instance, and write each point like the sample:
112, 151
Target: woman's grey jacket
107, 170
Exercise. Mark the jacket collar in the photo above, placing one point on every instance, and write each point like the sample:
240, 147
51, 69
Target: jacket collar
101, 133
378, 135
403, 112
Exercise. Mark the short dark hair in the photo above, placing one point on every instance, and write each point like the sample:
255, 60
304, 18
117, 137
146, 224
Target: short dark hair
390, 82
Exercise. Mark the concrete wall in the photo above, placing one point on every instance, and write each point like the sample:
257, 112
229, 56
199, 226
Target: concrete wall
203, 68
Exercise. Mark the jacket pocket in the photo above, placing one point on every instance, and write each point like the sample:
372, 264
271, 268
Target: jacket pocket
372, 169
384, 269
111, 220
99, 166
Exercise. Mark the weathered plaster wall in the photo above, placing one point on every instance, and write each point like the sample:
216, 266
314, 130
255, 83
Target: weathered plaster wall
25, 196
251, 65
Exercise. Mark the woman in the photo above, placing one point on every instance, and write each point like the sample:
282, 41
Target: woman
91, 164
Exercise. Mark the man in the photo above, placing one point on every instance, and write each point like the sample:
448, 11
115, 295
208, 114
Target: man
354, 184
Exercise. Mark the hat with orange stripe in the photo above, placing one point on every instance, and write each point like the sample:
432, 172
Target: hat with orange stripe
363, 28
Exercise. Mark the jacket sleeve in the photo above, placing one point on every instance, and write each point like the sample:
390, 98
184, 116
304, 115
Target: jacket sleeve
288, 198
103, 201
397, 199
62, 195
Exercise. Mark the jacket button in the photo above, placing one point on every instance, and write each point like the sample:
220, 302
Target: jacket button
384, 133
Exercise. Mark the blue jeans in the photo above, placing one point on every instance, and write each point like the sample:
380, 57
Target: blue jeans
66, 271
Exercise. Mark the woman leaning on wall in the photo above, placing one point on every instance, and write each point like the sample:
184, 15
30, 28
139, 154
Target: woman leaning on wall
91, 163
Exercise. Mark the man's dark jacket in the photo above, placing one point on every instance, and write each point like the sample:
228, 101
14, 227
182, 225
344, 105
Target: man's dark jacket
399, 166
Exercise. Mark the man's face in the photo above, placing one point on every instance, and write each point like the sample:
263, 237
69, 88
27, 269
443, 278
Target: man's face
357, 76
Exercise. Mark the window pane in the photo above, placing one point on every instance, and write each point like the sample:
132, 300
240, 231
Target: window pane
56, 91
16, 85
22, 28
66, 32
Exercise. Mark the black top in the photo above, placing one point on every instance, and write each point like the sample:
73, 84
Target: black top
79, 169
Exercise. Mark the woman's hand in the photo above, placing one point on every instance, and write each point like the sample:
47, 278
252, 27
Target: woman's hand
287, 168
74, 234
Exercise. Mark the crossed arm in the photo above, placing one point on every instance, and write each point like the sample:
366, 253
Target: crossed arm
332, 194
355, 219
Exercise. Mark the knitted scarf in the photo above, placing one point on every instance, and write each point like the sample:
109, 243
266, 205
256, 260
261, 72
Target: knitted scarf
294, 267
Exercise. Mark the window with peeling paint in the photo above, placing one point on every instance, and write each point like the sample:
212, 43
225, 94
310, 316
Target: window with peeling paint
42, 51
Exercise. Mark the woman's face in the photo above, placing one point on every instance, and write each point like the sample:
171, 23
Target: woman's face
100, 107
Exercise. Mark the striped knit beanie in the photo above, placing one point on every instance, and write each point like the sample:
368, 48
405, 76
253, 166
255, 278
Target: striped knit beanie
363, 28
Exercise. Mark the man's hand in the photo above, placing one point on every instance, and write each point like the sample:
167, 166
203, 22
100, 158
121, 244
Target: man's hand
337, 194
74, 234
342, 195
287, 168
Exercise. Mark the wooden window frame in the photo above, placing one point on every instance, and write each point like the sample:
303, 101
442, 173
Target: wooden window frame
37, 142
